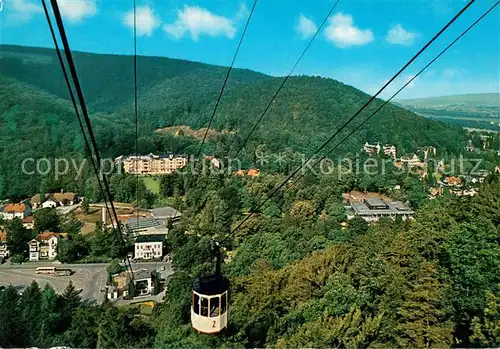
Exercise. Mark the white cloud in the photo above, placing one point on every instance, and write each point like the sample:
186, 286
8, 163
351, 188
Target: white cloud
242, 12
77, 10
407, 79
146, 21
22, 10
449, 73
342, 32
397, 35
306, 27
197, 21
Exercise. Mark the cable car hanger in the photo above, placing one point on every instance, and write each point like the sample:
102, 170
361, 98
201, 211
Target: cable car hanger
210, 301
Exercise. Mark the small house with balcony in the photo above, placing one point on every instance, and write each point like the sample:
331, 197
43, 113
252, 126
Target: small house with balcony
44, 246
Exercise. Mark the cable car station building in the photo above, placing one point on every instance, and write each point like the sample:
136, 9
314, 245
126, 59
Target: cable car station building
373, 208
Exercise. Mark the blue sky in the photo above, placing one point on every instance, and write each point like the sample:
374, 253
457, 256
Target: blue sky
363, 43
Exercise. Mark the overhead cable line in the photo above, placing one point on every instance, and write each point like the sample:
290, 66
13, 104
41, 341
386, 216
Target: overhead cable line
286, 79
226, 79
72, 68
354, 116
136, 116
73, 101
405, 85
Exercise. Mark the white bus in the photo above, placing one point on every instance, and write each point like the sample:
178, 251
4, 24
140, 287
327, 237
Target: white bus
46, 270
53, 271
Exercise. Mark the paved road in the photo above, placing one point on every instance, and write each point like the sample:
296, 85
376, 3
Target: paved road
66, 209
89, 277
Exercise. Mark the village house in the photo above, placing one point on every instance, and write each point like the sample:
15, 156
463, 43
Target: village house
453, 181
464, 192
372, 149
53, 200
143, 281
44, 245
390, 150
427, 151
149, 247
412, 160
4, 248
152, 164
12, 211
434, 192
214, 161
29, 222
470, 147
253, 172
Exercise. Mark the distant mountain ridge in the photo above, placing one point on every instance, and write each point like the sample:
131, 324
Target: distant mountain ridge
480, 110
177, 92
471, 100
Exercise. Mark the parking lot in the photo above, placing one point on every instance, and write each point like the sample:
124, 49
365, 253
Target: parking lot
91, 278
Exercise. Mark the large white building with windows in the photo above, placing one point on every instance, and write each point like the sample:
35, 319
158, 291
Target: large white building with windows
149, 247
152, 164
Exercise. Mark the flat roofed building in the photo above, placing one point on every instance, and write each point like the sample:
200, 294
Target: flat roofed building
372, 209
137, 226
162, 214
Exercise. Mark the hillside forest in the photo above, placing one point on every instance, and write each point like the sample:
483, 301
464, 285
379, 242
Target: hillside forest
301, 274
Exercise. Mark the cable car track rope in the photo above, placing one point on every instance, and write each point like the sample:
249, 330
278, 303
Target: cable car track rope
81, 99
73, 101
285, 80
226, 79
434, 38
405, 85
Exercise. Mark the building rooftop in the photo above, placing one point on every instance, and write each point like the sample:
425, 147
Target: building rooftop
135, 223
375, 202
391, 208
142, 274
165, 212
150, 238
11, 208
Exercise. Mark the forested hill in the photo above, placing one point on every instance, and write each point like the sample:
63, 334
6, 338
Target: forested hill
107, 80
178, 92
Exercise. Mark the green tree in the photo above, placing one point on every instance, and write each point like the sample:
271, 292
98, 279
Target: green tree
71, 297
114, 267
46, 219
18, 237
50, 316
11, 329
31, 305
85, 206
486, 329
424, 316
67, 251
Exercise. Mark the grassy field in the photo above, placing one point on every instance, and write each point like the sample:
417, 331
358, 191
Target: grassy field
145, 308
152, 183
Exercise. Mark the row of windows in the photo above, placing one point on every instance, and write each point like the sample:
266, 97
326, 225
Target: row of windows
147, 247
217, 305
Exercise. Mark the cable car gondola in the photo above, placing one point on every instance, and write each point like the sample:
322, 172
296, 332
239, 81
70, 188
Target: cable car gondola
210, 302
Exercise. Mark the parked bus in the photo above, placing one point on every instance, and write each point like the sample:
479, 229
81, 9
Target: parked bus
53, 271
46, 270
